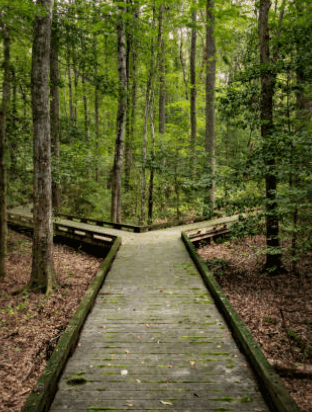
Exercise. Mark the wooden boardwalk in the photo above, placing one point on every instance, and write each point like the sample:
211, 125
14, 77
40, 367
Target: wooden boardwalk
155, 340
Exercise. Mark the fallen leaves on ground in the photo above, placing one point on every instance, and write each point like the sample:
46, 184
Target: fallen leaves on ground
276, 309
31, 324
166, 403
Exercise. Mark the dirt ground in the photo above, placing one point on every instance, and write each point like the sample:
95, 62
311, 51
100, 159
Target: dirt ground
277, 310
31, 324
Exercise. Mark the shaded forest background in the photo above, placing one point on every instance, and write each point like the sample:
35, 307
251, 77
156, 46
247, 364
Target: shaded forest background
205, 108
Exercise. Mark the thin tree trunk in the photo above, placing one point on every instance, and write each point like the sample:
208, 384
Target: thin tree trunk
273, 261
131, 105
162, 81
121, 122
84, 93
183, 66
152, 171
129, 46
42, 274
177, 185
85, 106
210, 98
76, 80
193, 92
3, 179
96, 112
13, 143
70, 91
55, 109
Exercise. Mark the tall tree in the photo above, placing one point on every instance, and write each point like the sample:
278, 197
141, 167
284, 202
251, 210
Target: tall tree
210, 97
55, 108
273, 258
121, 120
42, 274
162, 71
3, 115
96, 109
148, 103
132, 84
193, 87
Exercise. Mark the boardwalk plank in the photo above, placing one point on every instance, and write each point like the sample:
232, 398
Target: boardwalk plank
155, 335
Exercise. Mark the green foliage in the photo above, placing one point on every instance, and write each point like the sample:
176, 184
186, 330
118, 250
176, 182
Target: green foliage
246, 226
217, 265
88, 56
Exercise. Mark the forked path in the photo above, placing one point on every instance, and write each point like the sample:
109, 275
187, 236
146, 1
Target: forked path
155, 340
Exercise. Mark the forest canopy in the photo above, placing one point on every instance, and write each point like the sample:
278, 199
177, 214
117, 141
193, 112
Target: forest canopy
167, 110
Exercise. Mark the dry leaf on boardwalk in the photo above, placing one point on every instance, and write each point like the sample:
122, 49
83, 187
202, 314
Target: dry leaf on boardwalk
166, 403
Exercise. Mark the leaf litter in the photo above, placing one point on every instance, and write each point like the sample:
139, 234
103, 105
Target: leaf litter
276, 309
31, 324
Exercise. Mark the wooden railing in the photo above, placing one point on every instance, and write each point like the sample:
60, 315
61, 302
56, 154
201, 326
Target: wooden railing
206, 234
96, 222
61, 229
131, 228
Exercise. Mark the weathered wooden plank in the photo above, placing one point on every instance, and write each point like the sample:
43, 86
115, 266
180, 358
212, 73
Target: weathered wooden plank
155, 331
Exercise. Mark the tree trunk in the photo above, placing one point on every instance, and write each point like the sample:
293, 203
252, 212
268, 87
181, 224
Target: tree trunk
42, 274
131, 104
121, 122
162, 81
70, 91
96, 111
193, 92
152, 172
55, 108
210, 98
85, 106
148, 101
3, 180
273, 260
183, 65
84, 92
13, 142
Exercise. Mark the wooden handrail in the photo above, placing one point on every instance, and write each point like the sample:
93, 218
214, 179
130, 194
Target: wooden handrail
61, 229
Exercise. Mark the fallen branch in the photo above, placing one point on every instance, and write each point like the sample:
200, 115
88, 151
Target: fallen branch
283, 368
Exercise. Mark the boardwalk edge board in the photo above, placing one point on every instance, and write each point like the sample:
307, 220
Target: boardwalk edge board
272, 387
43, 393
131, 228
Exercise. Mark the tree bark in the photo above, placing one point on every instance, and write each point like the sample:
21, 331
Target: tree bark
42, 274
96, 111
193, 91
148, 101
121, 122
152, 171
84, 91
3, 179
210, 98
162, 80
131, 104
273, 261
70, 91
183, 65
13, 144
55, 108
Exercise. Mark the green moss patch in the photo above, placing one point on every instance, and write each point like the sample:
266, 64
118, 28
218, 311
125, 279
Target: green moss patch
76, 381
246, 399
224, 399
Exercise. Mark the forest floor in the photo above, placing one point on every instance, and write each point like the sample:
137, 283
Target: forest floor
277, 310
30, 323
